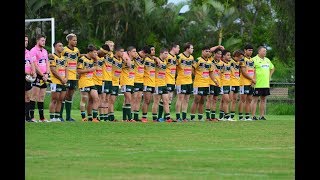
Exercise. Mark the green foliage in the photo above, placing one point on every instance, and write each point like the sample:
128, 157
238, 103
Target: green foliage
283, 72
280, 108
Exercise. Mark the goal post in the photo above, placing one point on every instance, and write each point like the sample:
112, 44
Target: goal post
52, 28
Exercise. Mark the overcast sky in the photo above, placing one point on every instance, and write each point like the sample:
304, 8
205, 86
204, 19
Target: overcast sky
184, 9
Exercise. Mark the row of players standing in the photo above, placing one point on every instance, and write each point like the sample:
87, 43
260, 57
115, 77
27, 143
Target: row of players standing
216, 72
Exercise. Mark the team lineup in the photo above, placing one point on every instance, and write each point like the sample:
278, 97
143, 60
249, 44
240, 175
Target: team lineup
145, 78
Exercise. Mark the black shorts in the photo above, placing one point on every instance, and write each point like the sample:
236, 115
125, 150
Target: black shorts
246, 89
170, 87
261, 91
107, 87
127, 88
160, 90
115, 90
215, 90
27, 85
185, 89
88, 88
99, 89
72, 84
235, 89
138, 87
202, 91
39, 82
148, 89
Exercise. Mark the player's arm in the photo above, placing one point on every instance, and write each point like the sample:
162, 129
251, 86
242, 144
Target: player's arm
53, 70
211, 74
126, 59
215, 47
271, 69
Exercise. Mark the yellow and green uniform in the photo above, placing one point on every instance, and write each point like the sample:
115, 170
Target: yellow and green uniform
217, 73
127, 74
184, 69
116, 71
248, 63
235, 73
138, 69
149, 72
210, 60
98, 75
202, 68
262, 67
161, 74
171, 63
72, 56
60, 64
226, 74
107, 69
85, 79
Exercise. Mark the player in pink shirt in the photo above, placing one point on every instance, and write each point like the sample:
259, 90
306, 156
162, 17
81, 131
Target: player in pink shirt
41, 63
28, 70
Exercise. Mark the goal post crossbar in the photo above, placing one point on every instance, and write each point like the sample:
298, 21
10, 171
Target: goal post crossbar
52, 28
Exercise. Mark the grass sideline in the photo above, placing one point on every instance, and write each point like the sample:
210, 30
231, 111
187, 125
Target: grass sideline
197, 150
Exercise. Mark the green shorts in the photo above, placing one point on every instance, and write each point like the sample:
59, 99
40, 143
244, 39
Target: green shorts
72, 84
99, 88
202, 91
184, 89
138, 87
88, 89
148, 89
57, 87
226, 89
246, 89
235, 89
160, 90
106, 87
215, 90
126, 88
115, 90
170, 87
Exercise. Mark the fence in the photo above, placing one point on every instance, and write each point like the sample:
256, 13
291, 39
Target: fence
282, 91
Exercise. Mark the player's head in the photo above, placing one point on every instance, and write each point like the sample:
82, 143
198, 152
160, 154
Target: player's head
217, 54
164, 53
237, 55
119, 51
248, 50
72, 39
145, 51
26, 41
226, 55
91, 51
58, 46
262, 51
132, 51
205, 51
188, 47
110, 44
41, 40
175, 48
152, 50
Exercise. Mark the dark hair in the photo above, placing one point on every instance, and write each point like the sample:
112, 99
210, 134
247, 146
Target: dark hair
162, 50
224, 52
173, 45
205, 48
146, 49
248, 46
130, 48
91, 48
187, 45
39, 36
55, 43
260, 47
105, 47
25, 35
118, 48
237, 53
216, 50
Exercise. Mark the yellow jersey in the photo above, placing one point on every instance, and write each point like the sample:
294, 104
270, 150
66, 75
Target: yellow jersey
161, 74
184, 69
127, 74
85, 79
210, 60
138, 69
98, 75
218, 70
149, 72
116, 71
226, 74
60, 64
107, 69
202, 68
171, 64
72, 57
249, 66
235, 73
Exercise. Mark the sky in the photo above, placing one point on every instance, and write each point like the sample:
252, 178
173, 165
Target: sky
184, 8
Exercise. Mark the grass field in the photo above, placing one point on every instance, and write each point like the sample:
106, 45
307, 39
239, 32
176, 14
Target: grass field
193, 150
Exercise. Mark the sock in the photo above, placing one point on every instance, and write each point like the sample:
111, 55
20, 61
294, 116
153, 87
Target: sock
68, 109
129, 111
101, 116
111, 116
232, 113
57, 115
144, 115
90, 117
62, 107
213, 114
160, 110
221, 114
106, 117
40, 109
95, 113
83, 114
32, 107
27, 110
136, 115
124, 113
247, 116
240, 116
192, 116
178, 116
167, 116
208, 113
227, 115
184, 115
52, 115
200, 116
154, 116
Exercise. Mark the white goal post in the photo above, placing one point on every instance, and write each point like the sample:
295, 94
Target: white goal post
52, 29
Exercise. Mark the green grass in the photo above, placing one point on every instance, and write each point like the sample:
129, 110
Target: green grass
194, 150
